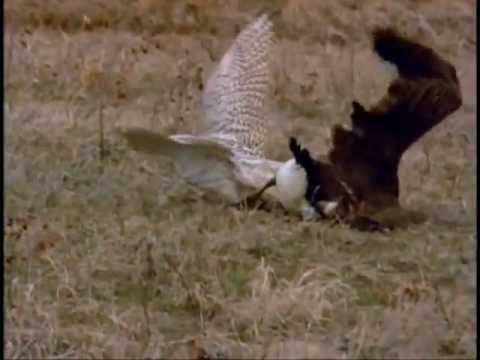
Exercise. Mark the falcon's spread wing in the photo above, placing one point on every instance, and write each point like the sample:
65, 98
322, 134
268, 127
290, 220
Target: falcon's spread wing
235, 100
228, 153
425, 93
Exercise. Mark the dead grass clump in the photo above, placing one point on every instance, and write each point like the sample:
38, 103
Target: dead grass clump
308, 301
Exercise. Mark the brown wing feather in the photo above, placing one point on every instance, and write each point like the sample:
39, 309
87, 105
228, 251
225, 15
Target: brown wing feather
425, 93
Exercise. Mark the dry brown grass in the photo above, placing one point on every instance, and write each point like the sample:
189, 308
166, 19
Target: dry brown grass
108, 256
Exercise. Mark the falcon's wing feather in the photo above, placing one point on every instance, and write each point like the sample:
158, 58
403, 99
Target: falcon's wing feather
236, 95
425, 93
224, 156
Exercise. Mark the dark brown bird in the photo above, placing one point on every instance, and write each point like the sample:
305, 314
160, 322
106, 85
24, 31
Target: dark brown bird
361, 172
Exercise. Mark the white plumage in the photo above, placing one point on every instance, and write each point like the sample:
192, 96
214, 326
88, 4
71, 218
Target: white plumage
291, 183
227, 156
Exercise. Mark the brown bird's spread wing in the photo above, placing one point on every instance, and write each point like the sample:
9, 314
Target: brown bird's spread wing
425, 93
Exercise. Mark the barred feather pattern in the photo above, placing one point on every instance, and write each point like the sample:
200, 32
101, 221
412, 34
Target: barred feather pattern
236, 97
227, 155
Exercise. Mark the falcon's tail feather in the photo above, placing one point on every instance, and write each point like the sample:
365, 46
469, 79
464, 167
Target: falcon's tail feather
198, 161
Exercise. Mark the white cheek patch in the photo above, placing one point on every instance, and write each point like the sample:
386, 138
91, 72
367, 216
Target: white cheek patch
328, 207
308, 212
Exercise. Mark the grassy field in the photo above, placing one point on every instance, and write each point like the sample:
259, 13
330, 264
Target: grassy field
109, 256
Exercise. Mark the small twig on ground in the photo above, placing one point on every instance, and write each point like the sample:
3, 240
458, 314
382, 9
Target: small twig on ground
192, 298
174, 268
147, 276
441, 305
22, 350
154, 115
101, 139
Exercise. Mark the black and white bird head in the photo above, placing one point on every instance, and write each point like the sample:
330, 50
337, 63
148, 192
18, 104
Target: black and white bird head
308, 186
